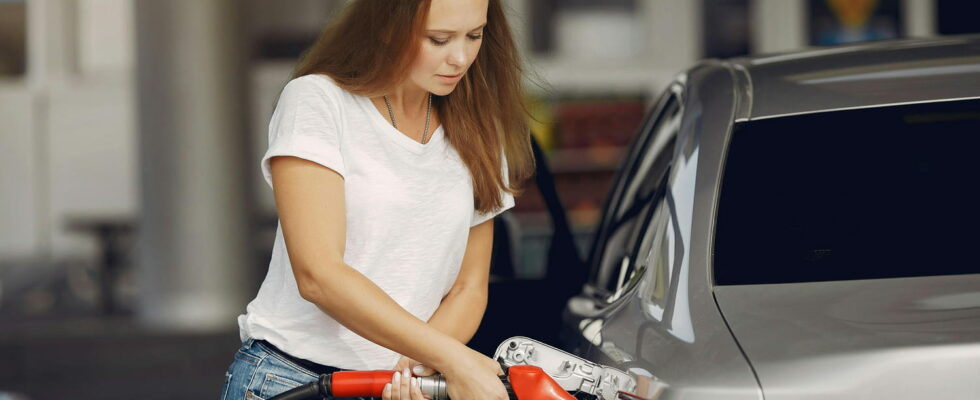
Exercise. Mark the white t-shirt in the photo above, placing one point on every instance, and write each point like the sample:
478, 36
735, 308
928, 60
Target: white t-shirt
409, 209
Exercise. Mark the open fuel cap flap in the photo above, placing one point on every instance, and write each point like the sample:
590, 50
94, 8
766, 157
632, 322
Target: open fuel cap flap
573, 373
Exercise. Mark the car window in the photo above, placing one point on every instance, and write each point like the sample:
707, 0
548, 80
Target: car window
656, 258
857, 194
626, 219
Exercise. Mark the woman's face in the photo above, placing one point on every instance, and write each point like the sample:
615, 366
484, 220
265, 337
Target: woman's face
450, 43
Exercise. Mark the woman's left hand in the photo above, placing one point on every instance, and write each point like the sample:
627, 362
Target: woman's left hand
404, 386
414, 367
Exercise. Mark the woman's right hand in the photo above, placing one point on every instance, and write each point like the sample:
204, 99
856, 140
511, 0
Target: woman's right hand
475, 376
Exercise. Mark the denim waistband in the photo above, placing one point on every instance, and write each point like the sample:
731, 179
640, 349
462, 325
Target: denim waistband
318, 369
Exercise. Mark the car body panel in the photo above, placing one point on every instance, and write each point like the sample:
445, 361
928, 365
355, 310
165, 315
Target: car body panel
863, 75
692, 356
899, 338
764, 341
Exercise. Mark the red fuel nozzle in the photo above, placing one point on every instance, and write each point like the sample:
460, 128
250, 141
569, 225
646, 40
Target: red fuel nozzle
523, 382
532, 383
372, 384
359, 383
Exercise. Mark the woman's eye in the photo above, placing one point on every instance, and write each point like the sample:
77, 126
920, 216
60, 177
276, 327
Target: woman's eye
476, 37
438, 42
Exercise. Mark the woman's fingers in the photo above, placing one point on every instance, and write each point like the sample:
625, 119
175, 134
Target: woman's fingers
403, 363
405, 385
399, 388
396, 386
422, 370
417, 390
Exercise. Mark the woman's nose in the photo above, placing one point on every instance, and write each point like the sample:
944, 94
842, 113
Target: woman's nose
457, 57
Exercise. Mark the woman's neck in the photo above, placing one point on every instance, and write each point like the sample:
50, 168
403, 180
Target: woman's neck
407, 100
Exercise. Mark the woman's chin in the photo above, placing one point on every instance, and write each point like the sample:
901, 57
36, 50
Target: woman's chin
443, 90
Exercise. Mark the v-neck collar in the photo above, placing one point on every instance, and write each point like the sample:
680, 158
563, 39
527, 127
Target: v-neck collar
394, 134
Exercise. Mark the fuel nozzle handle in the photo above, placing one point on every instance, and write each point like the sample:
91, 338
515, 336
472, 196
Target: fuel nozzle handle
345, 384
435, 387
372, 384
528, 382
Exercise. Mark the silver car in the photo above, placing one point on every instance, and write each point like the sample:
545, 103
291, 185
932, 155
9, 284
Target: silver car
797, 226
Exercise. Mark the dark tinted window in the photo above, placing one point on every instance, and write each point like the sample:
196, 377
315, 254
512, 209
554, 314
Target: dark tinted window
860, 194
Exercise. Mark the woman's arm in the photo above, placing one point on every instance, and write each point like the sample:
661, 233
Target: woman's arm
461, 311
310, 202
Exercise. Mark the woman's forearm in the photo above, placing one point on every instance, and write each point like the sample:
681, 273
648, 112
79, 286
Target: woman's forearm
360, 305
460, 313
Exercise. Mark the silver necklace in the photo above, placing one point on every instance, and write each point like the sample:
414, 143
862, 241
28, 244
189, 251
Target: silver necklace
428, 112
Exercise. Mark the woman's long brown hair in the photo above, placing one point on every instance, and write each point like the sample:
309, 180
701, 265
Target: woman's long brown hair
366, 50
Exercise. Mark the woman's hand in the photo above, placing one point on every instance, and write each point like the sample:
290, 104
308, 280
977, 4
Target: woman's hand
406, 383
415, 367
403, 387
475, 376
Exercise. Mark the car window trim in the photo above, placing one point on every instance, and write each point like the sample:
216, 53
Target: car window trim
674, 93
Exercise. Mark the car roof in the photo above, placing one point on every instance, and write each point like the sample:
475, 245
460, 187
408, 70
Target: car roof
854, 76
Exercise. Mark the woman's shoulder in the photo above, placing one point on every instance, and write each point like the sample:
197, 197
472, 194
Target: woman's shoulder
316, 84
317, 94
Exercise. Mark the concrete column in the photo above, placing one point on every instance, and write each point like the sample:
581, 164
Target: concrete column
50, 62
194, 260
920, 17
674, 38
22, 188
105, 37
778, 25
50, 39
674, 32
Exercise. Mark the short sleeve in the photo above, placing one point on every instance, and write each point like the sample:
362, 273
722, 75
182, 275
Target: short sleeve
306, 124
507, 199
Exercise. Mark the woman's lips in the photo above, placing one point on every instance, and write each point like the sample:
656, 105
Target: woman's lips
450, 78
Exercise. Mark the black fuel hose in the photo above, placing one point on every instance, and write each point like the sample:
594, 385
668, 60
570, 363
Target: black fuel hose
315, 390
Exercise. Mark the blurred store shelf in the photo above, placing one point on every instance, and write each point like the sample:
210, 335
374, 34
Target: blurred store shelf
564, 161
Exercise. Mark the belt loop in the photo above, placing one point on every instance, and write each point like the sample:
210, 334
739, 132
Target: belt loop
248, 343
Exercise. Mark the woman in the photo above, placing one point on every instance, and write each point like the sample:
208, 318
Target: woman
399, 138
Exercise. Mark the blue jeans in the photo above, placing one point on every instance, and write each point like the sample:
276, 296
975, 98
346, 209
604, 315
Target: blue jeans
258, 373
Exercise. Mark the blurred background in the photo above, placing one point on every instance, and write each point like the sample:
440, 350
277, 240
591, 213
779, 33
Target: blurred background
135, 225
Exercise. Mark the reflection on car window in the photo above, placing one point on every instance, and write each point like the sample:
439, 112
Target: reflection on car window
627, 220
858, 194
653, 162
655, 257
